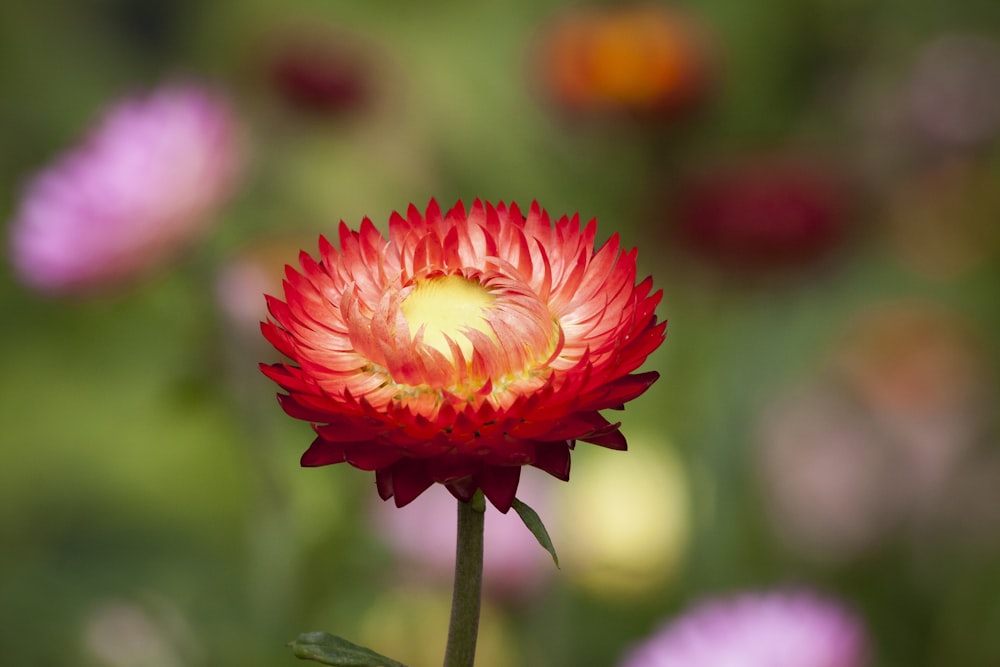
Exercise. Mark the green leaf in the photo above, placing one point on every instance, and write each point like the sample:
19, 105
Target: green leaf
534, 523
332, 650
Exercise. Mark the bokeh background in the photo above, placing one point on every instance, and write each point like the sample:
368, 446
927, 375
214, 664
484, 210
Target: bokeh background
815, 185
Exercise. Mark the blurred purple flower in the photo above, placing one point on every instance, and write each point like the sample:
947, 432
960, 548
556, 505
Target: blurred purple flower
142, 184
768, 629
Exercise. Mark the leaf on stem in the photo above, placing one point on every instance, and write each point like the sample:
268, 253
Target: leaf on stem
534, 523
329, 649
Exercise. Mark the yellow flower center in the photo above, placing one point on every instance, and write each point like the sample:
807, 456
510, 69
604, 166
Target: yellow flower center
447, 306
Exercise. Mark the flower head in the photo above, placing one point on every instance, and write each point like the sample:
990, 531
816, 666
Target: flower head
953, 92
319, 72
142, 184
775, 629
464, 346
636, 59
607, 547
769, 213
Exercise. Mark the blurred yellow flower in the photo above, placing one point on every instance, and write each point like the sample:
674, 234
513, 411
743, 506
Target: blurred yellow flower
624, 525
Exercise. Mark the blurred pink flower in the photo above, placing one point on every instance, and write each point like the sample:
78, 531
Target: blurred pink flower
953, 92
824, 474
253, 271
143, 183
768, 629
894, 438
423, 535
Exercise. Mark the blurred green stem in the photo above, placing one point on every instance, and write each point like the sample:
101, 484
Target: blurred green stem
465, 602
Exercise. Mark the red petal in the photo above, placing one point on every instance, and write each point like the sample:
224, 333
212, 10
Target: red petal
621, 391
554, 459
409, 480
279, 338
344, 429
612, 440
322, 453
383, 483
499, 484
448, 469
463, 489
368, 456
295, 409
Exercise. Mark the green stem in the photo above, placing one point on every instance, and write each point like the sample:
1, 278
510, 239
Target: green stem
465, 601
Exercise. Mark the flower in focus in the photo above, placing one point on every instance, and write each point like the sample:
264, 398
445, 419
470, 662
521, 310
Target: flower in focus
464, 346
768, 629
144, 183
514, 566
640, 59
761, 214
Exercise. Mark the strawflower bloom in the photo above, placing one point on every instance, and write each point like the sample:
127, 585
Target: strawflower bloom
770, 629
144, 183
463, 347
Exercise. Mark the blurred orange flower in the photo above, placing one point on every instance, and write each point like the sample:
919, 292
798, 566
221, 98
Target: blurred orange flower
643, 59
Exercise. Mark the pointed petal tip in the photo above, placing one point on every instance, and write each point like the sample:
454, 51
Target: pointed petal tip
322, 453
499, 485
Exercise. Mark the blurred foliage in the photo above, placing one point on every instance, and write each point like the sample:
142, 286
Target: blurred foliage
144, 462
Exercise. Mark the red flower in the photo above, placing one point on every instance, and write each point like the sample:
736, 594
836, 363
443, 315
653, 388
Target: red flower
462, 348
764, 214
319, 73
